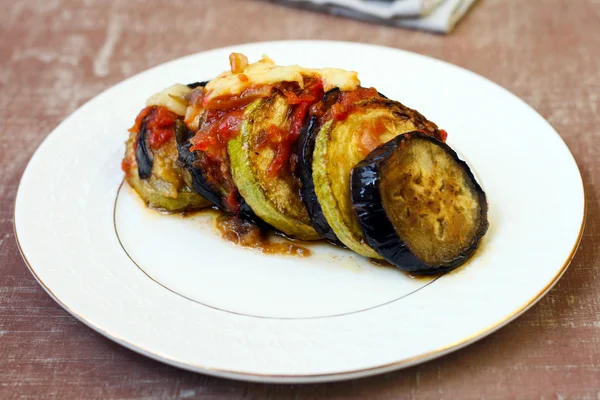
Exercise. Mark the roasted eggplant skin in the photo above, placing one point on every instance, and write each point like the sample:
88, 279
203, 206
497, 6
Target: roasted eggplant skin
377, 228
143, 155
304, 148
195, 178
164, 187
304, 154
192, 174
339, 146
195, 85
304, 158
187, 160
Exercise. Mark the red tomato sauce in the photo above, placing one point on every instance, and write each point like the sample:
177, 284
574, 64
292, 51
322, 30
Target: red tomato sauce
344, 104
225, 103
126, 165
222, 121
282, 140
371, 135
443, 135
211, 140
159, 123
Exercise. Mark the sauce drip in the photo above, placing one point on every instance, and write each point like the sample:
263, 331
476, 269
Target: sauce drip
246, 234
380, 263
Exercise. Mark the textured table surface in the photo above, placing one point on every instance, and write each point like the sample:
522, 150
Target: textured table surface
55, 55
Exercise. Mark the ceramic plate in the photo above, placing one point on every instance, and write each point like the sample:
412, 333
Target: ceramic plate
170, 288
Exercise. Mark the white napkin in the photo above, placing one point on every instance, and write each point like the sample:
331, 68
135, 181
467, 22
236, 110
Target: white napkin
431, 15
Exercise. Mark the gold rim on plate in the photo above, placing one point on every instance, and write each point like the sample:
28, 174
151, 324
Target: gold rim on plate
323, 376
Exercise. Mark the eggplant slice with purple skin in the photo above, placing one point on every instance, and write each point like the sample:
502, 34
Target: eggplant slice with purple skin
193, 175
195, 85
143, 155
305, 146
340, 145
196, 177
156, 176
304, 153
419, 205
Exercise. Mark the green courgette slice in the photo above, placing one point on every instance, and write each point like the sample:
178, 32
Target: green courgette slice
275, 199
340, 145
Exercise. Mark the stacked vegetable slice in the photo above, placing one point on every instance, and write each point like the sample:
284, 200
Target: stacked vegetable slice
350, 166
418, 204
273, 197
151, 153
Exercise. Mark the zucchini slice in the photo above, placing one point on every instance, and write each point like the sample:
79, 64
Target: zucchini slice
275, 199
419, 205
341, 144
163, 187
305, 147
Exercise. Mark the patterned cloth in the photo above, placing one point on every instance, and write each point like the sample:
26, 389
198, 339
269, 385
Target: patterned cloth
439, 16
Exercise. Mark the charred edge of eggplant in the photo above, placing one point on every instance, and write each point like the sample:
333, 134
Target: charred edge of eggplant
248, 214
195, 85
182, 133
143, 155
304, 151
199, 183
379, 232
187, 159
331, 97
305, 147
422, 124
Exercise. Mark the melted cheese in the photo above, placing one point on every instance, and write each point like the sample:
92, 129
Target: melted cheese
266, 72
171, 98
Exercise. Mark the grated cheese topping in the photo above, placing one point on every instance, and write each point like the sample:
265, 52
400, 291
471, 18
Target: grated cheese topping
266, 72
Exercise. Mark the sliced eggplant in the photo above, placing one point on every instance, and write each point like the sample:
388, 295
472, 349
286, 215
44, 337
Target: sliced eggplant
200, 174
198, 170
418, 204
143, 155
274, 198
341, 144
192, 174
195, 85
305, 147
164, 188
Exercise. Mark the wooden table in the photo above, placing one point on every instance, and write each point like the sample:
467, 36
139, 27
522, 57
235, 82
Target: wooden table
57, 54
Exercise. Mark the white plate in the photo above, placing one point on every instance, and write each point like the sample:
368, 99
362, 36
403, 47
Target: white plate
199, 303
